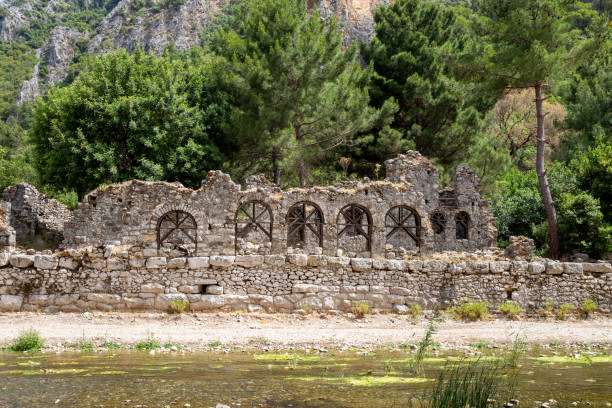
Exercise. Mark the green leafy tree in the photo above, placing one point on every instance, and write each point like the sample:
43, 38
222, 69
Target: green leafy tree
581, 225
528, 46
438, 114
594, 174
301, 95
125, 117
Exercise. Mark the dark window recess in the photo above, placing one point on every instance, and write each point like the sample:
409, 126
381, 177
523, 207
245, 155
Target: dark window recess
355, 220
438, 222
203, 289
462, 222
509, 293
304, 218
447, 199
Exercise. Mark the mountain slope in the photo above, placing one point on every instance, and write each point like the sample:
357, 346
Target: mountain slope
56, 33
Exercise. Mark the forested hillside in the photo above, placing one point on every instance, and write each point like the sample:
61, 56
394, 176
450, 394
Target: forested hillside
308, 92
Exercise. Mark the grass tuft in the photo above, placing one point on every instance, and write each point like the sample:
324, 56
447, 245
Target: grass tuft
511, 309
150, 343
360, 308
28, 340
469, 310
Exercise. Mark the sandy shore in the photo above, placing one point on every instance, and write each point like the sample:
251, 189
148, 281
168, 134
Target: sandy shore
286, 330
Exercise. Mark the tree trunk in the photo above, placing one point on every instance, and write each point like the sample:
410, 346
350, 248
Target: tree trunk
276, 167
302, 172
549, 204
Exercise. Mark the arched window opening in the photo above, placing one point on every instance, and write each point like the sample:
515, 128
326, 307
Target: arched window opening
254, 220
462, 221
305, 224
355, 221
438, 222
403, 227
176, 228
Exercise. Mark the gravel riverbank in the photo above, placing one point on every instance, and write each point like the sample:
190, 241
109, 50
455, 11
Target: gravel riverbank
280, 330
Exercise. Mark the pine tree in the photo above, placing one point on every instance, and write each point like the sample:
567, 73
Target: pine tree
529, 44
300, 94
436, 113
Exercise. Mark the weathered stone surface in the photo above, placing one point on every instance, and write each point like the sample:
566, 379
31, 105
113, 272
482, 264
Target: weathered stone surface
105, 298
597, 267
156, 262
536, 268
297, 259
136, 303
520, 248
152, 288
21, 260
178, 263
10, 303
573, 268
222, 261
361, 264
208, 302
305, 288
499, 266
214, 290
4, 258
249, 261
45, 262
554, 268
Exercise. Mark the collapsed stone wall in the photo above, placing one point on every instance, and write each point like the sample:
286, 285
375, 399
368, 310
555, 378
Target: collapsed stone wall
7, 233
134, 278
33, 213
390, 218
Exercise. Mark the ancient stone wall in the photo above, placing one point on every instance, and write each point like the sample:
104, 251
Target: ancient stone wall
390, 218
7, 233
32, 213
136, 278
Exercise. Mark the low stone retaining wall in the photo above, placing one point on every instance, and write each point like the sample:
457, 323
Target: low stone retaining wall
125, 278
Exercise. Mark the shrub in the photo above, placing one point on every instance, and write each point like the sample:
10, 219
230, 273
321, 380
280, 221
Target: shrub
178, 306
360, 308
588, 307
28, 340
511, 309
415, 311
150, 343
469, 310
109, 345
565, 310
547, 311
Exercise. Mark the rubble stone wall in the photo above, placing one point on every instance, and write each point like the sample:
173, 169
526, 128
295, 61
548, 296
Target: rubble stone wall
33, 213
391, 218
135, 278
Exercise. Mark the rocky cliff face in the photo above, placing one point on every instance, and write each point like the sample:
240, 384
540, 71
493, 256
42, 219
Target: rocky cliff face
152, 28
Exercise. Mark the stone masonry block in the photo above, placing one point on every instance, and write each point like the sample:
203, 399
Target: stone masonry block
222, 261
361, 264
198, 262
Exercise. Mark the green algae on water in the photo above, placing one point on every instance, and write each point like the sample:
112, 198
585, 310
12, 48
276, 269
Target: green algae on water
365, 381
286, 356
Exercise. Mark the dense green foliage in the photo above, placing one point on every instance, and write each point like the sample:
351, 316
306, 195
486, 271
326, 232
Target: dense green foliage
437, 114
301, 95
275, 90
128, 116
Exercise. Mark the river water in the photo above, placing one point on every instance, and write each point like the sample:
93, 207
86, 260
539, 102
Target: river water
246, 379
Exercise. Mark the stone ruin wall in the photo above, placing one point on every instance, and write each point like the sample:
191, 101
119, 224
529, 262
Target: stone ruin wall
137, 246
129, 278
34, 214
130, 214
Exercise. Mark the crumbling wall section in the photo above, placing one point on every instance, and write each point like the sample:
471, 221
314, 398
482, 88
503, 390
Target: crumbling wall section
389, 218
33, 213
